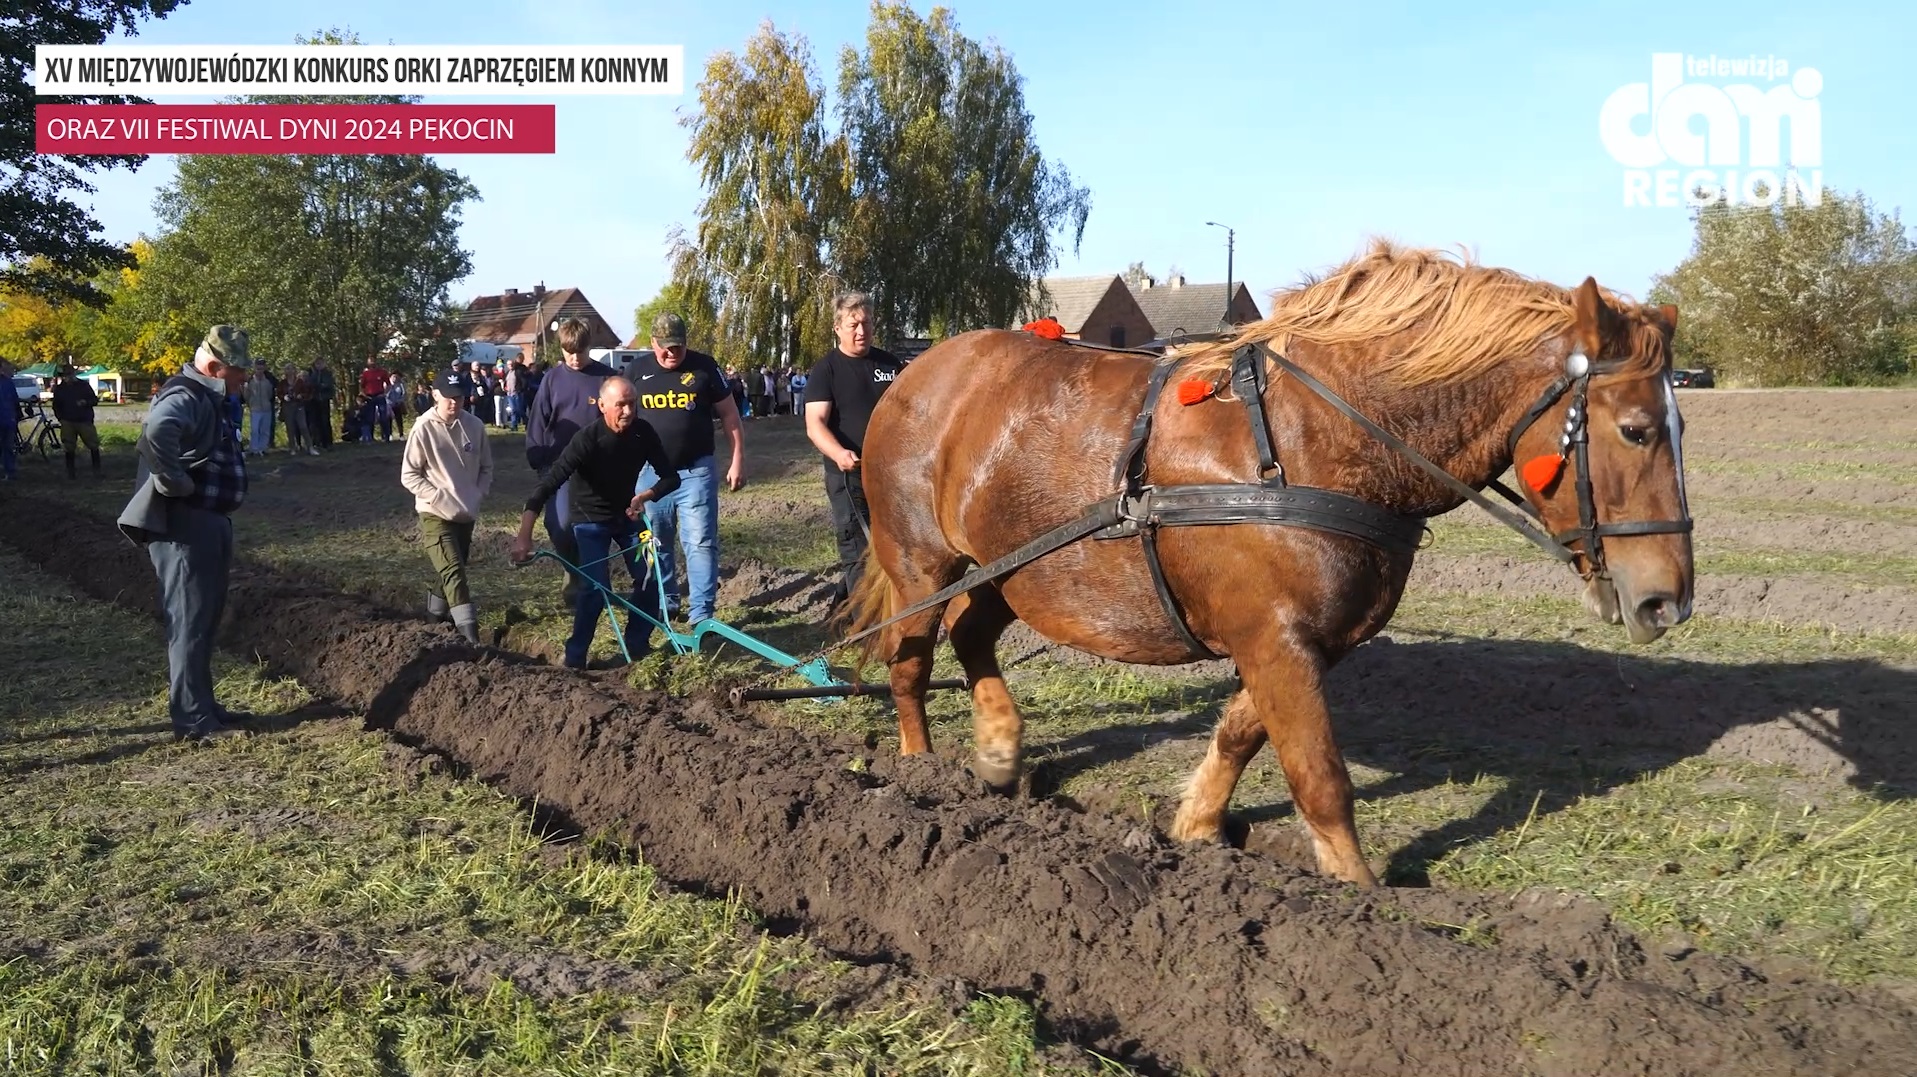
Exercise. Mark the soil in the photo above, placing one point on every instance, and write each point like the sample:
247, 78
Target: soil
1166, 957
1857, 607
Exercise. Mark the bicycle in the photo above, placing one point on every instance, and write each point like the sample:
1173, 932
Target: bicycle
43, 437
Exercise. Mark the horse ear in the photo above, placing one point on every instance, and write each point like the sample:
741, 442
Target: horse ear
1588, 308
1666, 316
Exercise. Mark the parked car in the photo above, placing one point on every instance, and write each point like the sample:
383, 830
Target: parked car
1693, 379
28, 388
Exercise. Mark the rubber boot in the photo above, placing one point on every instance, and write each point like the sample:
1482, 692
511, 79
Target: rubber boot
96, 462
437, 609
72, 472
467, 621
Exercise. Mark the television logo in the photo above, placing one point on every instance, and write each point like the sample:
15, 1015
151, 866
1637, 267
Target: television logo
1719, 163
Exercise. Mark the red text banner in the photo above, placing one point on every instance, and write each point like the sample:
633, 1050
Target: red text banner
148, 129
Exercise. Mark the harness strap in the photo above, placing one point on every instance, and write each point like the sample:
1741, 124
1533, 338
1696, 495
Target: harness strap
1148, 538
1297, 506
1516, 522
1248, 384
1131, 463
1538, 407
1104, 514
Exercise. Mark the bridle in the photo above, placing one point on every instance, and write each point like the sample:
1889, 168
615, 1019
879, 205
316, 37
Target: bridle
1588, 536
1575, 442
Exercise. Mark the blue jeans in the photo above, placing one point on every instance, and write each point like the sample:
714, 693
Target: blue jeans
191, 560
688, 515
597, 543
375, 411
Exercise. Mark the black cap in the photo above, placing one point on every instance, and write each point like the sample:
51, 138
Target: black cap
448, 382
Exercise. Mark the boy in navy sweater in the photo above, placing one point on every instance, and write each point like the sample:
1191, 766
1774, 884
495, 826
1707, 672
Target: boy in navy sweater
568, 402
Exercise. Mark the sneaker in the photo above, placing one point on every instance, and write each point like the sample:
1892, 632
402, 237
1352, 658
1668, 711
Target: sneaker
228, 717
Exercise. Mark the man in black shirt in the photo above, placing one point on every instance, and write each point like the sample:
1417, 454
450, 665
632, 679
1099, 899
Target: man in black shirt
606, 458
680, 393
840, 394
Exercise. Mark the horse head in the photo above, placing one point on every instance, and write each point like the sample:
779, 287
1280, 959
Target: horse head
1608, 478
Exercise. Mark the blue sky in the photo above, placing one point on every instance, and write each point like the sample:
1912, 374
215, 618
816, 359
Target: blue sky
1305, 127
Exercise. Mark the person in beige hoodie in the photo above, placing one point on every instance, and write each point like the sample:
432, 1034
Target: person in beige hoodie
448, 468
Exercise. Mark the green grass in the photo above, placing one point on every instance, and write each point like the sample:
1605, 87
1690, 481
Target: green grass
1844, 510
282, 904
1901, 474
1754, 873
1735, 855
1460, 538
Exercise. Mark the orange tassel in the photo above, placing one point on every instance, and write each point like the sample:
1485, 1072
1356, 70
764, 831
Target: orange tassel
1541, 471
1191, 392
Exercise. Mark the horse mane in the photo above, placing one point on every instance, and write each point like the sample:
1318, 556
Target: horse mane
1428, 316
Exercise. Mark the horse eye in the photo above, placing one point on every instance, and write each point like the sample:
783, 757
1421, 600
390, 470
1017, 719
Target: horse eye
1636, 435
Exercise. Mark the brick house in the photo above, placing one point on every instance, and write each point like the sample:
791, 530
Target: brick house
1096, 310
1175, 307
523, 319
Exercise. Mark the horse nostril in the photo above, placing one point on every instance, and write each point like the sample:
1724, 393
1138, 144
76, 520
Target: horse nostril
1658, 610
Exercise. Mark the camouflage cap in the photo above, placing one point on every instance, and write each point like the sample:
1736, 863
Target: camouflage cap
669, 329
228, 344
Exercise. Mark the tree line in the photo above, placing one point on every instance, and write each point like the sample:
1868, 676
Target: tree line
917, 178
1797, 294
929, 192
329, 257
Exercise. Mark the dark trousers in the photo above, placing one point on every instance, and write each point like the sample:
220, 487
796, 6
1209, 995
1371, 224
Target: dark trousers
600, 543
448, 545
192, 562
846, 492
319, 423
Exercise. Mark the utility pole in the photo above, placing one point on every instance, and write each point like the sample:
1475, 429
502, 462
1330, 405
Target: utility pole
1230, 236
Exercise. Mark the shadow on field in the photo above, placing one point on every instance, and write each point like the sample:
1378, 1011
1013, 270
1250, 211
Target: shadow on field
1562, 722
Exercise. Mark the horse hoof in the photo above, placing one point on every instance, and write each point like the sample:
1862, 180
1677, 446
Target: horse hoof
1001, 778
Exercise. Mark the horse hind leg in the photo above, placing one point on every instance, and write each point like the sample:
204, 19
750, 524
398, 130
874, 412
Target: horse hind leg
975, 621
1240, 733
908, 645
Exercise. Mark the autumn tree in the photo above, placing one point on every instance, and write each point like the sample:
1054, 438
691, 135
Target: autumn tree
1797, 295
116, 334
755, 267
952, 206
335, 257
49, 244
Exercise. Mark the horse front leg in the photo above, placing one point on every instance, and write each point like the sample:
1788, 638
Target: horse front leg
1240, 733
1287, 689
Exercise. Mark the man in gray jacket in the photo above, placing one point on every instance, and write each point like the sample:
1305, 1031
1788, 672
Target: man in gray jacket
192, 475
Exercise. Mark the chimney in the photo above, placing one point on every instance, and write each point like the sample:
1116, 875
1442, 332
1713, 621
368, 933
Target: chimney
539, 289
1177, 281
512, 291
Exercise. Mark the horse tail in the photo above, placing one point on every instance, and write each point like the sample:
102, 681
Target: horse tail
870, 603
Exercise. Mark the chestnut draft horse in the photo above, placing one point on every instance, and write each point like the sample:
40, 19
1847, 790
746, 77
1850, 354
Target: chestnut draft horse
994, 437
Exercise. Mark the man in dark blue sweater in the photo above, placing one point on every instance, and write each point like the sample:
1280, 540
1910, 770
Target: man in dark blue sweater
606, 458
568, 402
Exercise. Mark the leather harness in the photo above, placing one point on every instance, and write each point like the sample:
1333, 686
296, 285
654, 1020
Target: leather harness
1139, 508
